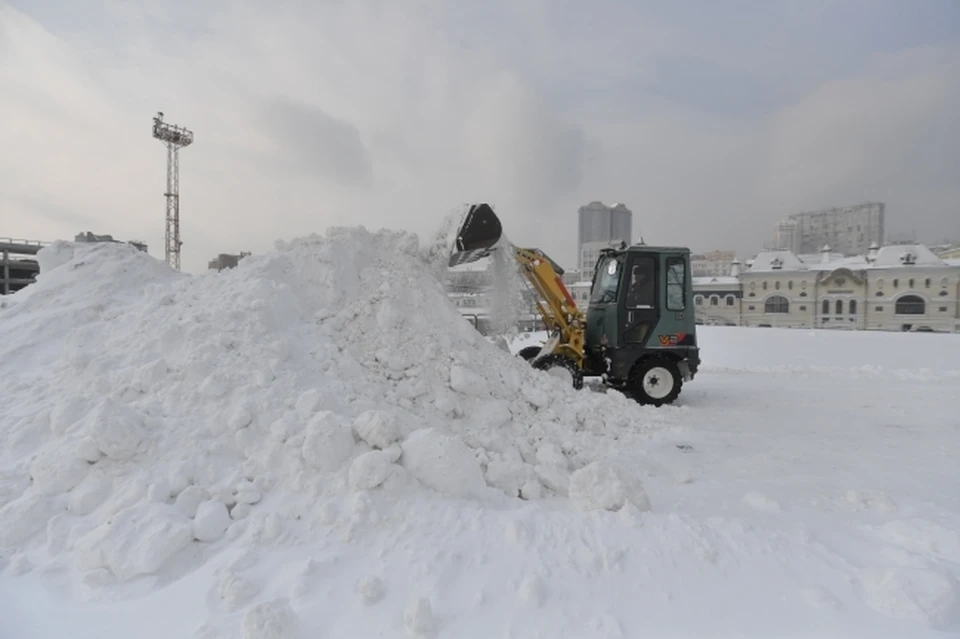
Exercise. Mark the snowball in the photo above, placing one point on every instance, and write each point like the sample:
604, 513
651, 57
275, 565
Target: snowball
57, 470
369, 470
159, 491
916, 594
328, 442
117, 429
241, 418
555, 478
88, 450
273, 619
509, 475
467, 382
213, 387
370, 589
550, 455
89, 494
211, 521
248, 497
23, 518
376, 427
234, 591
444, 463
308, 402
598, 486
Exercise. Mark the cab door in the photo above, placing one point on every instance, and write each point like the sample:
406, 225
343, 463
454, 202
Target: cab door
639, 308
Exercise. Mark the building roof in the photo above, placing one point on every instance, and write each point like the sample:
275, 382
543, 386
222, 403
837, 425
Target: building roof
785, 260
898, 255
891, 256
857, 262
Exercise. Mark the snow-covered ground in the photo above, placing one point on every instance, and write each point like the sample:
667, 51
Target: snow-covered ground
316, 445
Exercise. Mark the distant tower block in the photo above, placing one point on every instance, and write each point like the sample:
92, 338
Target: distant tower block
174, 137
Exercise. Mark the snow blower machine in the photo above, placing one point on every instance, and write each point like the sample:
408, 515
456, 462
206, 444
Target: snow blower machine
638, 334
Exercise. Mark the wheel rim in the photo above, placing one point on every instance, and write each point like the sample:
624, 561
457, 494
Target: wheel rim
657, 382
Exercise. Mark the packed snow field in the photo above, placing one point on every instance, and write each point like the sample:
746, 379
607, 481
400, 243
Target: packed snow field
315, 444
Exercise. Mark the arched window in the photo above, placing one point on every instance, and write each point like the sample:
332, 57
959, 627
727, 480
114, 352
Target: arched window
776, 304
764, 285
776, 285
731, 300
896, 283
926, 283
790, 284
910, 305
826, 307
714, 300
853, 307
911, 282
839, 307
698, 300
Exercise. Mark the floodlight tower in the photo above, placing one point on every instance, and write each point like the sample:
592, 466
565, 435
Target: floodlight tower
174, 137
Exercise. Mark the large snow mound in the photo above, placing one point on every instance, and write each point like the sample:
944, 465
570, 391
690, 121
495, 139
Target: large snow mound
149, 415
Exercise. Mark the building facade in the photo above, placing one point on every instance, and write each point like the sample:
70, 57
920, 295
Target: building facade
848, 229
894, 288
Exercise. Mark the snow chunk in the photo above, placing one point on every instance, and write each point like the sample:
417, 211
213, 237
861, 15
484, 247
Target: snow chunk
464, 380
913, 593
598, 486
759, 501
137, 541
444, 463
56, 470
211, 521
369, 470
328, 443
378, 428
273, 619
418, 617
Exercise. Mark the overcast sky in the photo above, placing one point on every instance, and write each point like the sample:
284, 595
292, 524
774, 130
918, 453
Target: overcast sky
710, 120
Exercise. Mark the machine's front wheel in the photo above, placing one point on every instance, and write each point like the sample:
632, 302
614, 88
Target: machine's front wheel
655, 381
561, 367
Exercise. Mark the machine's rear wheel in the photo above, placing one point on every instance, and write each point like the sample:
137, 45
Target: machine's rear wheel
656, 381
561, 367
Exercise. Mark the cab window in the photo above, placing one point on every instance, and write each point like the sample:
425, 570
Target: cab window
641, 288
607, 280
676, 281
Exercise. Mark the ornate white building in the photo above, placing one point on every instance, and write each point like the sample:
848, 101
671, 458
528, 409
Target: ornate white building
894, 288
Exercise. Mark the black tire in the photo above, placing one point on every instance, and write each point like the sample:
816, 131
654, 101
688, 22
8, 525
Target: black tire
655, 381
529, 352
548, 362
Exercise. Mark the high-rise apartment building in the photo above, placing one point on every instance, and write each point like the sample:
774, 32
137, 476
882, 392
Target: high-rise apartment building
599, 226
849, 230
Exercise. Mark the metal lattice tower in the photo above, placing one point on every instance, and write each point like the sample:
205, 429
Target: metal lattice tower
174, 137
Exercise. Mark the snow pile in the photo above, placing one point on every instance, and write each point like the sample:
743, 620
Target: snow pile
150, 415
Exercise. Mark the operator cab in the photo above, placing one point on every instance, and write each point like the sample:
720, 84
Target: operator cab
640, 315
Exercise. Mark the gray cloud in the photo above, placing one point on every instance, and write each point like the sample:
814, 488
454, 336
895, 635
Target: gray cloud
314, 143
710, 123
